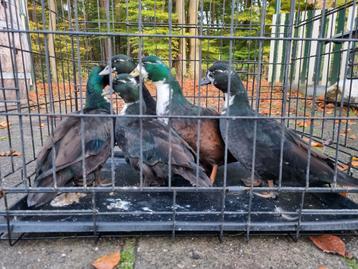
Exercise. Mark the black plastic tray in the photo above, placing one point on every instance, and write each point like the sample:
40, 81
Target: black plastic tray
145, 211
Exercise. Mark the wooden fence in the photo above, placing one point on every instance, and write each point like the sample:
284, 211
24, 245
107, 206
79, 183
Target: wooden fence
303, 53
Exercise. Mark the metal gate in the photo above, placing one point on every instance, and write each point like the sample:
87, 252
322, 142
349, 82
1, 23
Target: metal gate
285, 62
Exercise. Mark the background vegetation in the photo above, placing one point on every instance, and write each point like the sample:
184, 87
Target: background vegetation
177, 17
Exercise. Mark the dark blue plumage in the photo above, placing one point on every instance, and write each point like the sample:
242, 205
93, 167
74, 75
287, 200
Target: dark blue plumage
268, 140
123, 64
155, 141
65, 144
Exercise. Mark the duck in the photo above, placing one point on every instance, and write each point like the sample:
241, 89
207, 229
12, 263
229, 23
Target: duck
122, 63
171, 101
64, 148
268, 139
155, 141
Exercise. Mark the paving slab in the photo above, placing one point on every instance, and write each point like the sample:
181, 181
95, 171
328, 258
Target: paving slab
236, 252
56, 254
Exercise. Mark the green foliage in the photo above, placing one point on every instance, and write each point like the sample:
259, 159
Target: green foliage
64, 45
154, 14
352, 263
127, 255
155, 19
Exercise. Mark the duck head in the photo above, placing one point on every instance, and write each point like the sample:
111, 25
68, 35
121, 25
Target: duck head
219, 74
95, 85
127, 87
95, 78
121, 64
152, 68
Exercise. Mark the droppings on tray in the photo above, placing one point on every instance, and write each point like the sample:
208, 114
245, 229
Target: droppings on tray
147, 209
118, 204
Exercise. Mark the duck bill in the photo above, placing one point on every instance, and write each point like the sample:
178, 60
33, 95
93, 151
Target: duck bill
135, 73
106, 71
204, 81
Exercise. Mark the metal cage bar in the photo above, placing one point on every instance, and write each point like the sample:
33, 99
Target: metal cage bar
297, 65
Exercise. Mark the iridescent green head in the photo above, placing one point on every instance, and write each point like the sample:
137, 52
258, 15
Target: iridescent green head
152, 68
95, 85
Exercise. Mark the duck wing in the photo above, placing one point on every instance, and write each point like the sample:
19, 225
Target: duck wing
150, 103
156, 146
67, 151
268, 146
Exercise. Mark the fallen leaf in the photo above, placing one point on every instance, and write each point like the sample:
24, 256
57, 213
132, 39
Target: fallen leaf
3, 138
67, 198
320, 104
352, 136
344, 194
354, 162
13, 153
4, 125
314, 144
330, 244
109, 261
322, 267
330, 105
302, 123
343, 166
265, 111
347, 130
42, 125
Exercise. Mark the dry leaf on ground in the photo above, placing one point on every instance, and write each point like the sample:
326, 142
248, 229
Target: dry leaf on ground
355, 162
302, 123
322, 267
343, 166
330, 105
314, 144
330, 244
13, 153
4, 125
109, 261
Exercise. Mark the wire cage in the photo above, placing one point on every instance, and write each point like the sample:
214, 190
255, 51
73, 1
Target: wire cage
297, 61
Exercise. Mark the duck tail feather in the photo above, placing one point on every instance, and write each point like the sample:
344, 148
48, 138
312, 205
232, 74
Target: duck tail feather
345, 179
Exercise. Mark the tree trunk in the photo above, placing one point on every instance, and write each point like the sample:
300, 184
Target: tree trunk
180, 66
104, 41
51, 40
194, 42
213, 12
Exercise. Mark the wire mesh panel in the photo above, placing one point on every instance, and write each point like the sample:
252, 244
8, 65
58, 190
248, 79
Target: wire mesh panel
81, 154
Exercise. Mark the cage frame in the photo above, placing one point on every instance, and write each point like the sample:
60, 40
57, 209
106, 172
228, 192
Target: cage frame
76, 34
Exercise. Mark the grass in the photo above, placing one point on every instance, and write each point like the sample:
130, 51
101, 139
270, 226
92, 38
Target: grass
127, 255
352, 263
